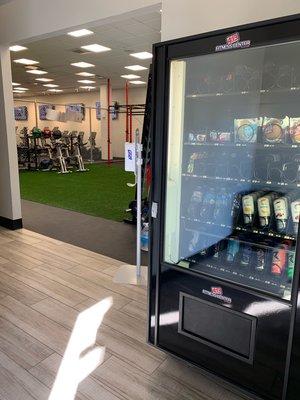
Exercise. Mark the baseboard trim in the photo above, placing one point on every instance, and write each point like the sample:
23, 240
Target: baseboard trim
12, 224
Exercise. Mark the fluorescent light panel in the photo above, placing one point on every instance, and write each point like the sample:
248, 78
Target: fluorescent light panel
80, 33
26, 61
44, 79
96, 48
87, 87
138, 82
16, 84
136, 67
37, 72
55, 90
51, 85
82, 64
22, 88
85, 74
143, 55
130, 76
86, 81
16, 48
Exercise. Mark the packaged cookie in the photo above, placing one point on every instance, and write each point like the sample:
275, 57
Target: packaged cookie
246, 129
275, 130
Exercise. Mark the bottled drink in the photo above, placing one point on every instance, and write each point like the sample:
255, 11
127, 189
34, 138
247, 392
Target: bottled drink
295, 211
281, 211
232, 250
145, 237
248, 209
195, 203
222, 211
265, 210
208, 205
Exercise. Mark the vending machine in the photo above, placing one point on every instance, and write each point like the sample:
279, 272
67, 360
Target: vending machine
224, 275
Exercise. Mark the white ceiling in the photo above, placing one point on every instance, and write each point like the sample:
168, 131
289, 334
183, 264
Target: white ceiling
57, 53
4, 2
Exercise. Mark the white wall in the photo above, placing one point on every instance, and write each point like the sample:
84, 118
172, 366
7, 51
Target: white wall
25, 19
136, 96
190, 17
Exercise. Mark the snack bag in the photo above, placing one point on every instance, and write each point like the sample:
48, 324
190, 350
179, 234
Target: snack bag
275, 130
295, 130
246, 130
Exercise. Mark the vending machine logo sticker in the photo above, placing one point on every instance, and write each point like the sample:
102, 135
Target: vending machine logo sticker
233, 42
234, 38
217, 292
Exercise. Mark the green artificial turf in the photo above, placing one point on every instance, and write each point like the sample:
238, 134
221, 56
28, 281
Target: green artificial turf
102, 191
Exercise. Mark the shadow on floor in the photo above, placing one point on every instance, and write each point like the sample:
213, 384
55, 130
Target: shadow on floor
110, 238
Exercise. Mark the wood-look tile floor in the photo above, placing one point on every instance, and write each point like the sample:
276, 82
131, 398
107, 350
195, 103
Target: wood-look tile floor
48, 291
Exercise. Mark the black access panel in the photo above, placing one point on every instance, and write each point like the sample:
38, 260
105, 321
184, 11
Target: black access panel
224, 273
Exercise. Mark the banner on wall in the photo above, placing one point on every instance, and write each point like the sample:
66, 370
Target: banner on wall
43, 108
98, 110
21, 113
76, 111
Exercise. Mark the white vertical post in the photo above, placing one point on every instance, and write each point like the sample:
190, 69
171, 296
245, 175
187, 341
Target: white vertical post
10, 202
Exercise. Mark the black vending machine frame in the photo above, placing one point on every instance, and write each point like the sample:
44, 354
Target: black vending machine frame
161, 274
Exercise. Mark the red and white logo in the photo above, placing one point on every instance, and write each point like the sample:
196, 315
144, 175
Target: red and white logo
234, 38
217, 290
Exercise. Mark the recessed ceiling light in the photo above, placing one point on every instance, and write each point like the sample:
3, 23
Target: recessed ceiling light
44, 79
55, 90
19, 91
16, 84
22, 88
85, 74
143, 55
17, 48
51, 85
96, 48
87, 87
25, 61
86, 81
37, 72
138, 82
136, 67
130, 76
80, 33
82, 64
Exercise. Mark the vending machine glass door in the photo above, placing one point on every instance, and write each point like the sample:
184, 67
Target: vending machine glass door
233, 166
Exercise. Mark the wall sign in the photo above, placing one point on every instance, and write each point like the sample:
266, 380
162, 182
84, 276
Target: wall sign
233, 42
77, 108
21, 113
98, 110
43, 108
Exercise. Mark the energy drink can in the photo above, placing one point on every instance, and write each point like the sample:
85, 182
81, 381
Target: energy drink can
291, 265
246, 255
261, 259
279, 260
232, 250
